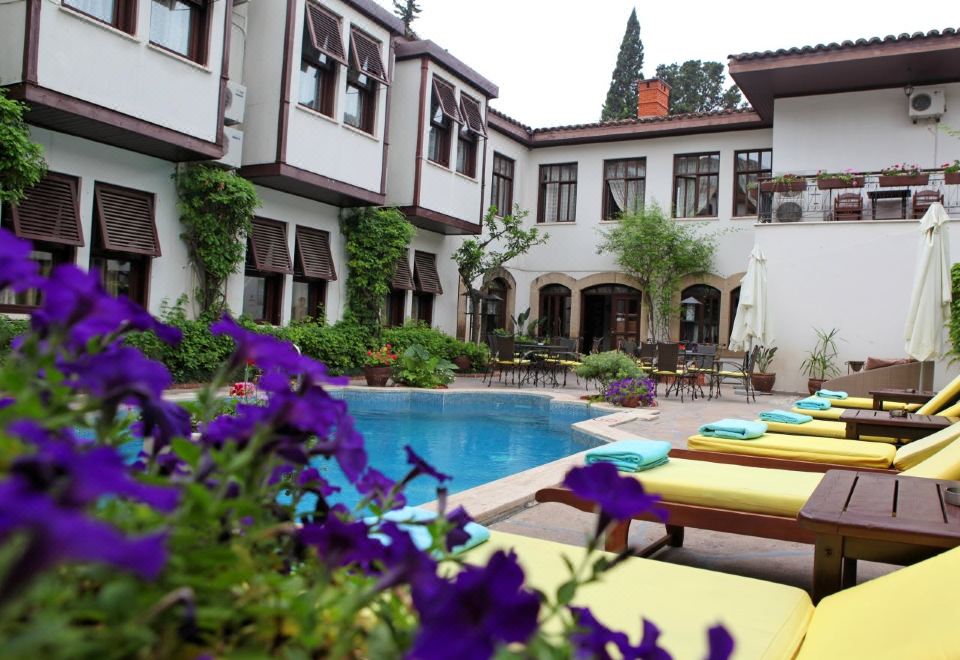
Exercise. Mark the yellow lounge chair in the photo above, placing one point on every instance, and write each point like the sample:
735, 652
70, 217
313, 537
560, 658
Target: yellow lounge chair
837, 429
943, 399
767, 620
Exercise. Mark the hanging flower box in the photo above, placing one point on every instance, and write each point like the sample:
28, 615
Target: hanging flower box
834, 183
795, 186
889, 181
952, 178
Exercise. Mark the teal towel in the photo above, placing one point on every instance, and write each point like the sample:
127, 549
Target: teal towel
408, 518
785, 417
631, 455
813, 403
831, 394
734, 429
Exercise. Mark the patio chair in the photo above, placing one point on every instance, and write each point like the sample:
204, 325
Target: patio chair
739, 372
729, 493
923, 199
701, 369
629, 346
668, 358
767, 620
648, 355
848, 206
567, 358
597, 345
504, 359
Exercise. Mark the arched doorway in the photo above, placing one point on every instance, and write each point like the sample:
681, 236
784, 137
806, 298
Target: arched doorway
700, 314
495, 305
611, 313
555, 304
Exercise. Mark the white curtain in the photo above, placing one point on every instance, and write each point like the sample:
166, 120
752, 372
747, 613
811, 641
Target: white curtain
170, 25
102, 9
618, 190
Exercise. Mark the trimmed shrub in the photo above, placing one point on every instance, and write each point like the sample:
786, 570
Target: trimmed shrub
608, 367
342, 346
435, 342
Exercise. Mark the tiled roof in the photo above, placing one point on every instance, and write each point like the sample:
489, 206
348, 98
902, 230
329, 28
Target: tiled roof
510, 119
846, 45
643, 120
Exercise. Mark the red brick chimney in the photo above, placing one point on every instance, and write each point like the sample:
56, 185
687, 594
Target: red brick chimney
653, 98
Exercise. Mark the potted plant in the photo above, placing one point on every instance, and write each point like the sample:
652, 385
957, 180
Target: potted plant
784, 183
377, 366
821, 363
833, 180
762, 379
903, 174
632, 392
951, 172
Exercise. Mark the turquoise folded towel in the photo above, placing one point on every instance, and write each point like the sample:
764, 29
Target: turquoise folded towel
631, 455
409, 519
813, 403
734, 429
785, 417
831, 394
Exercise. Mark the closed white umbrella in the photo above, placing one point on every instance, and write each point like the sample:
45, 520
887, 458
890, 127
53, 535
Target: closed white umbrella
930, 301
751, 326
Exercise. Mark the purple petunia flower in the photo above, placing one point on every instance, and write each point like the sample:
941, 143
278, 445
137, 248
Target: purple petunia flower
403, 562
17, 270
340, 543
591, 639
457, 535
420, 466
376, 486
721, 643
619, 498
480, 609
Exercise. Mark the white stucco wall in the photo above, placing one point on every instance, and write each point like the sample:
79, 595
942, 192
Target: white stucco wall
404, 116
12, 21
262, 69
89, 60
854, 276
864, 131
170, 274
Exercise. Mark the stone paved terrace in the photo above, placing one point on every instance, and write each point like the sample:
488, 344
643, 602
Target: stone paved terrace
778, 561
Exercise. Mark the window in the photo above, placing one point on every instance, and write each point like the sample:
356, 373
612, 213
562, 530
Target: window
366, 70
312, 269
624, 186
700, 314
427, 285
470, 134
558, 193
268, 260
124, 240
401, 282
121, 14
180, 26
501, 185
322, 51
555, 304
749, 167
695, 183
443, 115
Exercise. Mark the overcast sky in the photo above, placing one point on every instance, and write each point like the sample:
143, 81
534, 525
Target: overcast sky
552, 59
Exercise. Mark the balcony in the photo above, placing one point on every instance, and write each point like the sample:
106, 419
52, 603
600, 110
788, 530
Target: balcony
811, 200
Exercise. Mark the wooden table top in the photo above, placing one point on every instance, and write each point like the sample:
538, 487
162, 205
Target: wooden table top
883, 418
903, 396
886, 507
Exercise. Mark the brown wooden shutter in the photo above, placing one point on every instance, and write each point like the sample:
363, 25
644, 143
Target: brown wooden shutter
50, 211
367, 59
447, 98
402, 277
425, 273
323, 29
268, 240
313, 254
470, 108
125, 218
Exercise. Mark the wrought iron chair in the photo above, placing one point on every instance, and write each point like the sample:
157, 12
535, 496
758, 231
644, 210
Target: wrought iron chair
738, 371
668, 357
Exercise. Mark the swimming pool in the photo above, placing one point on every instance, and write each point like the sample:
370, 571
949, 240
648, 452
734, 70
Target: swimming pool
476, 437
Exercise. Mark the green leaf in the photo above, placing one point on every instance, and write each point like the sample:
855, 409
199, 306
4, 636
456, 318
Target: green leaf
566, 592
187, 450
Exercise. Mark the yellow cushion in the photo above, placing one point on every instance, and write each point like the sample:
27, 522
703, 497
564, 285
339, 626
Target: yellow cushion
829, 413
918, 604
951, 411
767, 620
941, 398
731, 374
866, 403
822, 428
919, 450
736, 487
943, 464
820, 450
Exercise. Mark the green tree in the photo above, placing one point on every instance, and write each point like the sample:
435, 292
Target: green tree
621, 100
659, 252
21, 159
407, 11
697, 86
477, 260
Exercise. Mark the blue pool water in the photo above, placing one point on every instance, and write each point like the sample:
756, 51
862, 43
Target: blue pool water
475, 438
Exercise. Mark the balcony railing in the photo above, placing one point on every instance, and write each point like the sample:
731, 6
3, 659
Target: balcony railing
881, 198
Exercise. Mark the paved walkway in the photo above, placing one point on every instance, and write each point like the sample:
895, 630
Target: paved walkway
778, 561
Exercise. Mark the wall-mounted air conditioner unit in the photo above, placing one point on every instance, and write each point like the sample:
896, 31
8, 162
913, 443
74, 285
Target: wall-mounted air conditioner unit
235, 103
927, 104
233, 141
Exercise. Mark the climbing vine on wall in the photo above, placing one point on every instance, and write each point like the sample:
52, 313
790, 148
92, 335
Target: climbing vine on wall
216, 210
955, 310
21, 159
375, 239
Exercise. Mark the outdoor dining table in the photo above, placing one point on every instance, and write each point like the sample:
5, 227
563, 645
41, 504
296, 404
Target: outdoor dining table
540, 367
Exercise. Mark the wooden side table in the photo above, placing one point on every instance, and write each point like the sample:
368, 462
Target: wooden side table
876, 517
879, 422
900, 396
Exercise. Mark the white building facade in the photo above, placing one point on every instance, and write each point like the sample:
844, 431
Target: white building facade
326, 107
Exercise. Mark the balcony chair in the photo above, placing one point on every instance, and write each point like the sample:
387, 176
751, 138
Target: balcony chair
848, 206
923, 199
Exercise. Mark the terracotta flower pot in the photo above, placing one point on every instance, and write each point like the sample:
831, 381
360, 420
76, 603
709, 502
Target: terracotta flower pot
763, 382
836, 183
463, 363
814, 384
888, 181
631, 401
376, 376
952, 178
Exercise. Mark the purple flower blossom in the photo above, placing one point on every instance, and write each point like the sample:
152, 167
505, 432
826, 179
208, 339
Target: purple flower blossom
17, 270
340, 543
591, 639
620, 391
420, 466
721, 643
457, 535
620, 498
480, 609
403, 562
376, 486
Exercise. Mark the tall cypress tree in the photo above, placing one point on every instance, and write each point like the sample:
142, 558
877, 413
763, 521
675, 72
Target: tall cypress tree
407, 11
621, 100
